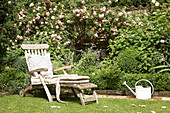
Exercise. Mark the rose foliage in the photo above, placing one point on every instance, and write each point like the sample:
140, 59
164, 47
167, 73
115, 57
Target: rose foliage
65, 24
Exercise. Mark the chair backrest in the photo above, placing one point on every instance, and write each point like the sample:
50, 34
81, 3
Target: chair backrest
37, 57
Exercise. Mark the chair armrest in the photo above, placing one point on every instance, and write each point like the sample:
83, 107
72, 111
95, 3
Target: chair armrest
37, 70
63, 68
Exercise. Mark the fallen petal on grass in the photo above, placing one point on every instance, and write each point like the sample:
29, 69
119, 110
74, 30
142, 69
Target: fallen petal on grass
153, 112
163, 107
105, 106
53, 106
143, 105
133, 105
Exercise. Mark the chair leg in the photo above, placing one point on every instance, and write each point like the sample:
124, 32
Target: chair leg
58, 92
95, 95
81, 98
74, 92
46, 90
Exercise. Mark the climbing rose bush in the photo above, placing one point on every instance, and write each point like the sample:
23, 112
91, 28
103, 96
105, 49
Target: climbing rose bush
61, 24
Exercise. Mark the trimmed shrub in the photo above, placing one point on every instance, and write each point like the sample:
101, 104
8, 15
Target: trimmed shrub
127, 60
161, 82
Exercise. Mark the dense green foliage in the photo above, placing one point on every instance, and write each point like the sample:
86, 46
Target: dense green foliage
137, 41
12, 79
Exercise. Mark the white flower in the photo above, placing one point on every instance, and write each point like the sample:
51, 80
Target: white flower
153, 1
47, 13
120, 14
53, 17
101, 15
57, 26
32, 4
9, 2
162, 41
157, 4
96, 35
7, 48
83, 2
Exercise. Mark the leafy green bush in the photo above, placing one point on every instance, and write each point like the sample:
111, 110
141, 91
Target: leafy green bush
13, 79
88, 62
108, 76
128, 60
143, 31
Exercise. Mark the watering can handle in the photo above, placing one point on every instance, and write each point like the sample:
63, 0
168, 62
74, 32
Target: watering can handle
146, 81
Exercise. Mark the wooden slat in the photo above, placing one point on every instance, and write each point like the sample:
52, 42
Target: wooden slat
34, 46
37, 70
86, 86
62, 68
74, 82
89, 99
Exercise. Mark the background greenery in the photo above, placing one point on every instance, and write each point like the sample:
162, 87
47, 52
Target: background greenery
135, 39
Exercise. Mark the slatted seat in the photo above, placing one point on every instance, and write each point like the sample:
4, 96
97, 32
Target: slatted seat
40, 69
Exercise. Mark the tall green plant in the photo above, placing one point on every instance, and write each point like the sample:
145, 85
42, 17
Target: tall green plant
88, 62
164, 68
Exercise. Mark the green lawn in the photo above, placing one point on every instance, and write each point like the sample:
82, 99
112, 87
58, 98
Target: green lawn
30, 104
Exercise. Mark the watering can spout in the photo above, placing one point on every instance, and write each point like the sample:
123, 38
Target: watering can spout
124, 83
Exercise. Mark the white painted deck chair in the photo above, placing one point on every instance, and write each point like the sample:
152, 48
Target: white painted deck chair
40, 69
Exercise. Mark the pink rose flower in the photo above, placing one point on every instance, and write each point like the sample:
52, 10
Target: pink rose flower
57, 27
101, 15
154, 12
9, 2
20, 23
60, 23
7, 48
123, 35
95, 35
94, 13
120, 14
59, 37
58, 48
55, 9
116, 19
109, 2
83, 2
53, 17
27, 26
31, 5
77, 15
47, 13
66, 43
140, 23
103, 9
